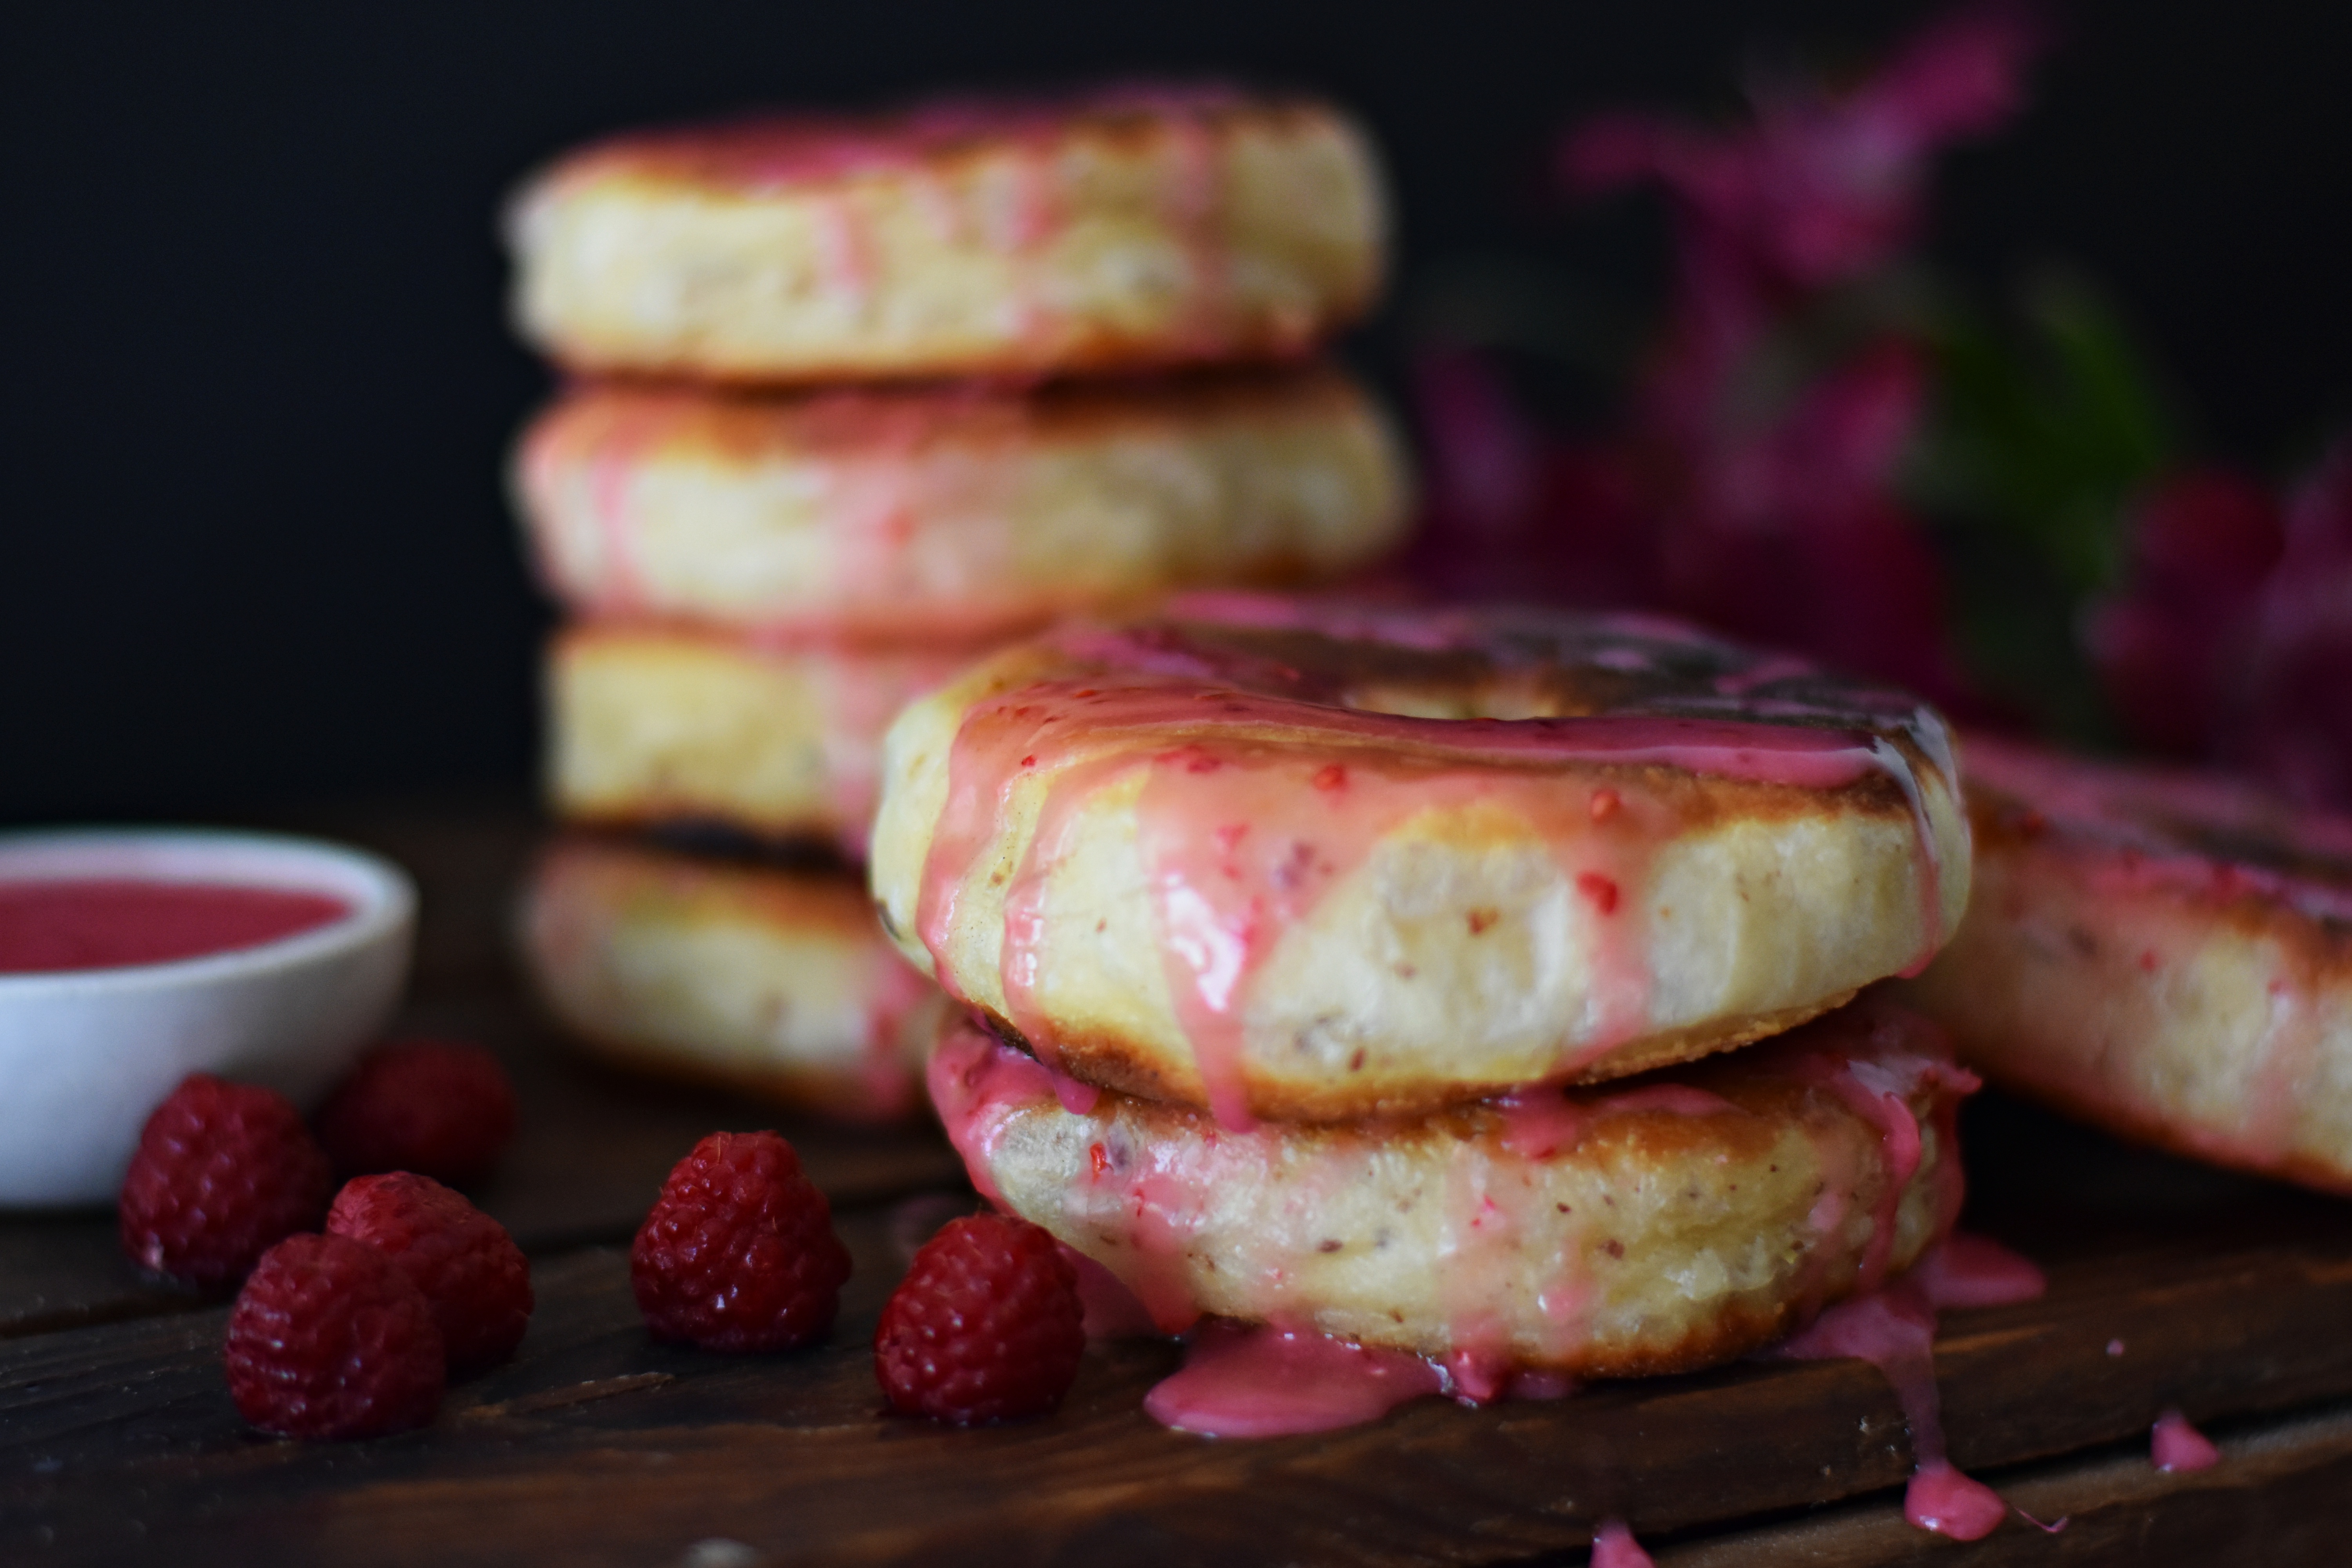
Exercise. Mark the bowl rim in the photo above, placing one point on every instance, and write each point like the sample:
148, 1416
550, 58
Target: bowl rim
381, 895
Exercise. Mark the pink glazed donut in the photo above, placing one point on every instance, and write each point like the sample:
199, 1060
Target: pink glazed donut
2165, 953
1312, 862
960, 511
1619, 1231
765, 979
1132, 229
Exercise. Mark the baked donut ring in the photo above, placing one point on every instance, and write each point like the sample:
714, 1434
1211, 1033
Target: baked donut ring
1648, 1227
1130, 230
755, 977
2163, 954
964, 512
1313, 863
654, 726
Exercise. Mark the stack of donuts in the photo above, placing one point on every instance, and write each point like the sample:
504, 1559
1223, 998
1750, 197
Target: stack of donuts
851, 401
1471, 988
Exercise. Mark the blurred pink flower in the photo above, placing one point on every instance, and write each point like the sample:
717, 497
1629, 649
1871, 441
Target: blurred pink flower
2232, 638
1512, 512
1793, 534
1823, 186
2294, 725
2172, 645
1770, 513
1820, 188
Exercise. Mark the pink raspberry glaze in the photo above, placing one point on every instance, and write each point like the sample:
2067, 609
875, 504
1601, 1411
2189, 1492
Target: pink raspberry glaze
2175, 1445
2204, 836
974, 1083
1613, 1546
1242, 1381
1894, 1328
826, 159
1271, 771
1153, 1198
1112, 1312
779, 152
1486, 1221
1973, 1271
1879, 1087
1259, 1381
57, 924
2132, 836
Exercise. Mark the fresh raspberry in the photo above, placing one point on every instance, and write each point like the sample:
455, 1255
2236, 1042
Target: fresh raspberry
223, 1171
471, 1272
438, 1109
329, 1339
986, 1326
739, 1253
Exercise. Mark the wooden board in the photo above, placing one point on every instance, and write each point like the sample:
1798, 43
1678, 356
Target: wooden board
591, 1149
2170, 1285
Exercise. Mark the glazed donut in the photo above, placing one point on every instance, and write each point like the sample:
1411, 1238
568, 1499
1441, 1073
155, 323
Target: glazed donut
653, 725
752, 976
968, 513
1313, 863
1127, 230
1647, 1227
2163, 954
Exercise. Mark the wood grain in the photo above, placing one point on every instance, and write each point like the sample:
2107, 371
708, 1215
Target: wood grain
593, 1145
2170, 1284
2277, 1496
590, 1153
596, 1446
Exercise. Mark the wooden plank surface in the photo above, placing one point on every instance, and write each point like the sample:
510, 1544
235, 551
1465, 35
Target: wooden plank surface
2170, 1284
600, 1447
591, 1149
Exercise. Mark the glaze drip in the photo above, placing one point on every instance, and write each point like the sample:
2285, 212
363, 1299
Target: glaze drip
1271, 751
1242, 1381
1613, 1546
1150, 1209
2175, 1445
1894, 1328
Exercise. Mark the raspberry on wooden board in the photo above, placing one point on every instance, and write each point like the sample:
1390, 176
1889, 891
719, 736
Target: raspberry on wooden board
469, 1269
223, 1171
438, 1108
329, 1339
739, 1253
987, 1325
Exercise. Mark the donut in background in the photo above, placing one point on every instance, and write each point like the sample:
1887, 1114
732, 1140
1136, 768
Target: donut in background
1127, 230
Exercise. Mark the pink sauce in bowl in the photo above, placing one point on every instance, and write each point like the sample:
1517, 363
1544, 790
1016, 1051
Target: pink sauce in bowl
131, 958
52, 924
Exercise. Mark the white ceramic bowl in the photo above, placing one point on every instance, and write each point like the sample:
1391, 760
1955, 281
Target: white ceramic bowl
86, 1055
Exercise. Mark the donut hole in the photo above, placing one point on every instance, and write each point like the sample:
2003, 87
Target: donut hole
1504, 699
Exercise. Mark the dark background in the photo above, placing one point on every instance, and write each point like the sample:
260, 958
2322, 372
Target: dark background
252, 546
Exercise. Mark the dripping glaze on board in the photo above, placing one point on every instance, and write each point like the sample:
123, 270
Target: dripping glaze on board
979, 1082
1241, 834
2176, 1445
1270, 1380
1894, 1328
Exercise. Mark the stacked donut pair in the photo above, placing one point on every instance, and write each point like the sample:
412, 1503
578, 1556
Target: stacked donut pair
1478, 985
850, 402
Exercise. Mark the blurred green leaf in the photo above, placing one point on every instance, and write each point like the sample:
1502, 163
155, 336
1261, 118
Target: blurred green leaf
2039, 436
